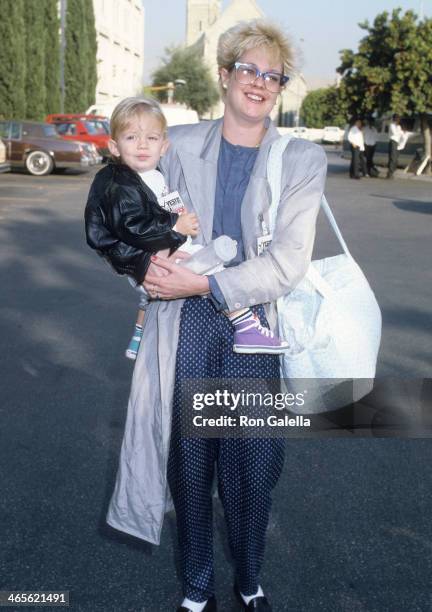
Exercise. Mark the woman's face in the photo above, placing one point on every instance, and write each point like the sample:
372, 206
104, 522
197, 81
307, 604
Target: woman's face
251, 102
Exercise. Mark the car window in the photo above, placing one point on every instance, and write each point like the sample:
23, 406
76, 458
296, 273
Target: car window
4, 129
92, 127
49, 130
15, 130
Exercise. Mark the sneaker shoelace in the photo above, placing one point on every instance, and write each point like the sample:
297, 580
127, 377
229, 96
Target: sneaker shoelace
263, 330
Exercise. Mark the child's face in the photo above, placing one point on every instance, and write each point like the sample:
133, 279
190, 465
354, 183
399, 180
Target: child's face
141, 144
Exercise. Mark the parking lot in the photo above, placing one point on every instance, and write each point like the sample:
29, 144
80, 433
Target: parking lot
351, 529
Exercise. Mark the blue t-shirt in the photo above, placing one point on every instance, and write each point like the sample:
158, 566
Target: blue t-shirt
235, 164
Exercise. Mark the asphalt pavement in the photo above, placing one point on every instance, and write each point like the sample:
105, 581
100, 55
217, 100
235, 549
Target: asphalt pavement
350, 529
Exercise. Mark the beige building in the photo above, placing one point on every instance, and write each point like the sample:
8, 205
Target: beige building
120, 54
206, 21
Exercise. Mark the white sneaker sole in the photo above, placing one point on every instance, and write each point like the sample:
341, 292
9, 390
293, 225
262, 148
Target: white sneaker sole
248, 350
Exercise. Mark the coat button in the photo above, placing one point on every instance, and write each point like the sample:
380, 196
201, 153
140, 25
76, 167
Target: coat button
237, 305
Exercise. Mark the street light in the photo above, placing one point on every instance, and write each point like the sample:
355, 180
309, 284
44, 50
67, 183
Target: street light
169, 88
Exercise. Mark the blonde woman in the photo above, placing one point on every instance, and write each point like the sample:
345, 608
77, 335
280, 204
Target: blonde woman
219, 167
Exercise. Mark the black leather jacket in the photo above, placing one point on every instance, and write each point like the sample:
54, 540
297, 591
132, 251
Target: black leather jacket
125, 224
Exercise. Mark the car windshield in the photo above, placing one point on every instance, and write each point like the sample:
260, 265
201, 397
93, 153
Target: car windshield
49, 130
97, 127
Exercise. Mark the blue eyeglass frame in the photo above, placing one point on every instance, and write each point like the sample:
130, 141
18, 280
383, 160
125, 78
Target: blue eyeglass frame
283, 77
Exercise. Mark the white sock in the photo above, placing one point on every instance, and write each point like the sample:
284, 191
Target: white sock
247, 598
194, 605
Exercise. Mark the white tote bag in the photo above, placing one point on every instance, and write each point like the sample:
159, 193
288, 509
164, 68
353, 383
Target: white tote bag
331, 320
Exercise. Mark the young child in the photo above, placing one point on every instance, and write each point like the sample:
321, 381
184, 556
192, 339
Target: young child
129, 214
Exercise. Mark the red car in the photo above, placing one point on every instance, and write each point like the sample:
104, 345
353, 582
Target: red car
86, 128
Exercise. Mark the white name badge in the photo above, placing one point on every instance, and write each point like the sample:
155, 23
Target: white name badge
263, 242
172, 202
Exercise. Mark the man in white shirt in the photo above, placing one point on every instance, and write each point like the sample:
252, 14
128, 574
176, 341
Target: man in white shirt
397, 141
370, 135
356, 140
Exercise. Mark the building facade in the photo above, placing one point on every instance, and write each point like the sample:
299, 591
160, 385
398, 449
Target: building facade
206, 21
120, 53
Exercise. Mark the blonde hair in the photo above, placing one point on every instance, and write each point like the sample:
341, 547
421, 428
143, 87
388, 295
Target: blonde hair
129, 108
254, 34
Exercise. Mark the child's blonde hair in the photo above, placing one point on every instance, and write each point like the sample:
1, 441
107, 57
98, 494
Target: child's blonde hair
129, 108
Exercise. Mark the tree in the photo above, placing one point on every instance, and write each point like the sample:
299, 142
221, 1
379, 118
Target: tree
391, 71
323, 107
75, 58
52, 57
35, 91
91, 61
12, 59
199, 92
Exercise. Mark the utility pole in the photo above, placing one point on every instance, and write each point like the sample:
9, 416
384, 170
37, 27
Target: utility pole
63, 8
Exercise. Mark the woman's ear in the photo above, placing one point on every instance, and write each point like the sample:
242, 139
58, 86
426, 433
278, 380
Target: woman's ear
224, 77
113, 149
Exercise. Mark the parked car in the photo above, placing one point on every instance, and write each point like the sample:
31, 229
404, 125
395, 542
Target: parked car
85, 128
4, 164
332, 135
39, 149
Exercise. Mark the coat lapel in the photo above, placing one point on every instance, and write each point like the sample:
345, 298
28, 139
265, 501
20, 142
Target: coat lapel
200, 172
257, 198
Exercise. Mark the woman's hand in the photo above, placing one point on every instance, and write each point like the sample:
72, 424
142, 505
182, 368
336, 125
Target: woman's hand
178, 283
154, 270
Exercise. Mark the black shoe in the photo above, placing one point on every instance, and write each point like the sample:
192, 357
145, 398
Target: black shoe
209, 607
259, 604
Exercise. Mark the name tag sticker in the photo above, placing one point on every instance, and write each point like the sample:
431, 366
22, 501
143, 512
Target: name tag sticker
172, 202
263, 242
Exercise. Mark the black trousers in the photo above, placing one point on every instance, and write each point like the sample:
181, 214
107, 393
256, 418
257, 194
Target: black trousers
358, 163
393, 157
369, 152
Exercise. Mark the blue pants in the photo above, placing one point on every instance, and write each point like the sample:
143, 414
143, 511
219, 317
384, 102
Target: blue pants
247, 469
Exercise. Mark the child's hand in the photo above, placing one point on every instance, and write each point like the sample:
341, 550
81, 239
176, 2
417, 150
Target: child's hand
187, 224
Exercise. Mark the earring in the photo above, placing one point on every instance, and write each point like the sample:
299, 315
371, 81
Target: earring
224, 86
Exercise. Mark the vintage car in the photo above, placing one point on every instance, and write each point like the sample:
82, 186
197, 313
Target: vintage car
39, 149
4, 164
332, 135
85, 128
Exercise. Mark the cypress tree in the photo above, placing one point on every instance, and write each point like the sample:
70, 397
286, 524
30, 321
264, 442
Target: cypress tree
12, 59
91, 60
75, 58
35, 91
52, 57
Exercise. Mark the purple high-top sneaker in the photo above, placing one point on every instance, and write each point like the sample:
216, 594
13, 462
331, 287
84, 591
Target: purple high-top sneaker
251, 337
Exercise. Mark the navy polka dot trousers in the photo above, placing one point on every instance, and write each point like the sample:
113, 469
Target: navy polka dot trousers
247, 469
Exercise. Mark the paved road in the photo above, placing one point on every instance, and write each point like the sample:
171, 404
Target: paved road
351, 528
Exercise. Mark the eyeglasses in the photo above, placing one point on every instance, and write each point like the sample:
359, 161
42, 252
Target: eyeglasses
246, 74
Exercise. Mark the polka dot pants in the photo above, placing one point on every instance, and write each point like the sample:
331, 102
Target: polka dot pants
247, 469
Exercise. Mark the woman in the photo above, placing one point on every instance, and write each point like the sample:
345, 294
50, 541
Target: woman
219, 169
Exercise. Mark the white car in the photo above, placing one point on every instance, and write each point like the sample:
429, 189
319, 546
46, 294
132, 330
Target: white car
332, 135
4, 164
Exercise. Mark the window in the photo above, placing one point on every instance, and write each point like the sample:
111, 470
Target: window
15, 131
49, 130
97, 127
4, 129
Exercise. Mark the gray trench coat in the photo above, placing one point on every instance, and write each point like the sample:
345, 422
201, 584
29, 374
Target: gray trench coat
141, 495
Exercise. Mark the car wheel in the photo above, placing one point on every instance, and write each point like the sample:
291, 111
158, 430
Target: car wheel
39, 163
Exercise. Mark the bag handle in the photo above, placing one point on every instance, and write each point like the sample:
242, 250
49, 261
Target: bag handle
274, 176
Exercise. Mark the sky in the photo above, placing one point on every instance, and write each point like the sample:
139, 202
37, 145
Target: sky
318, 29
